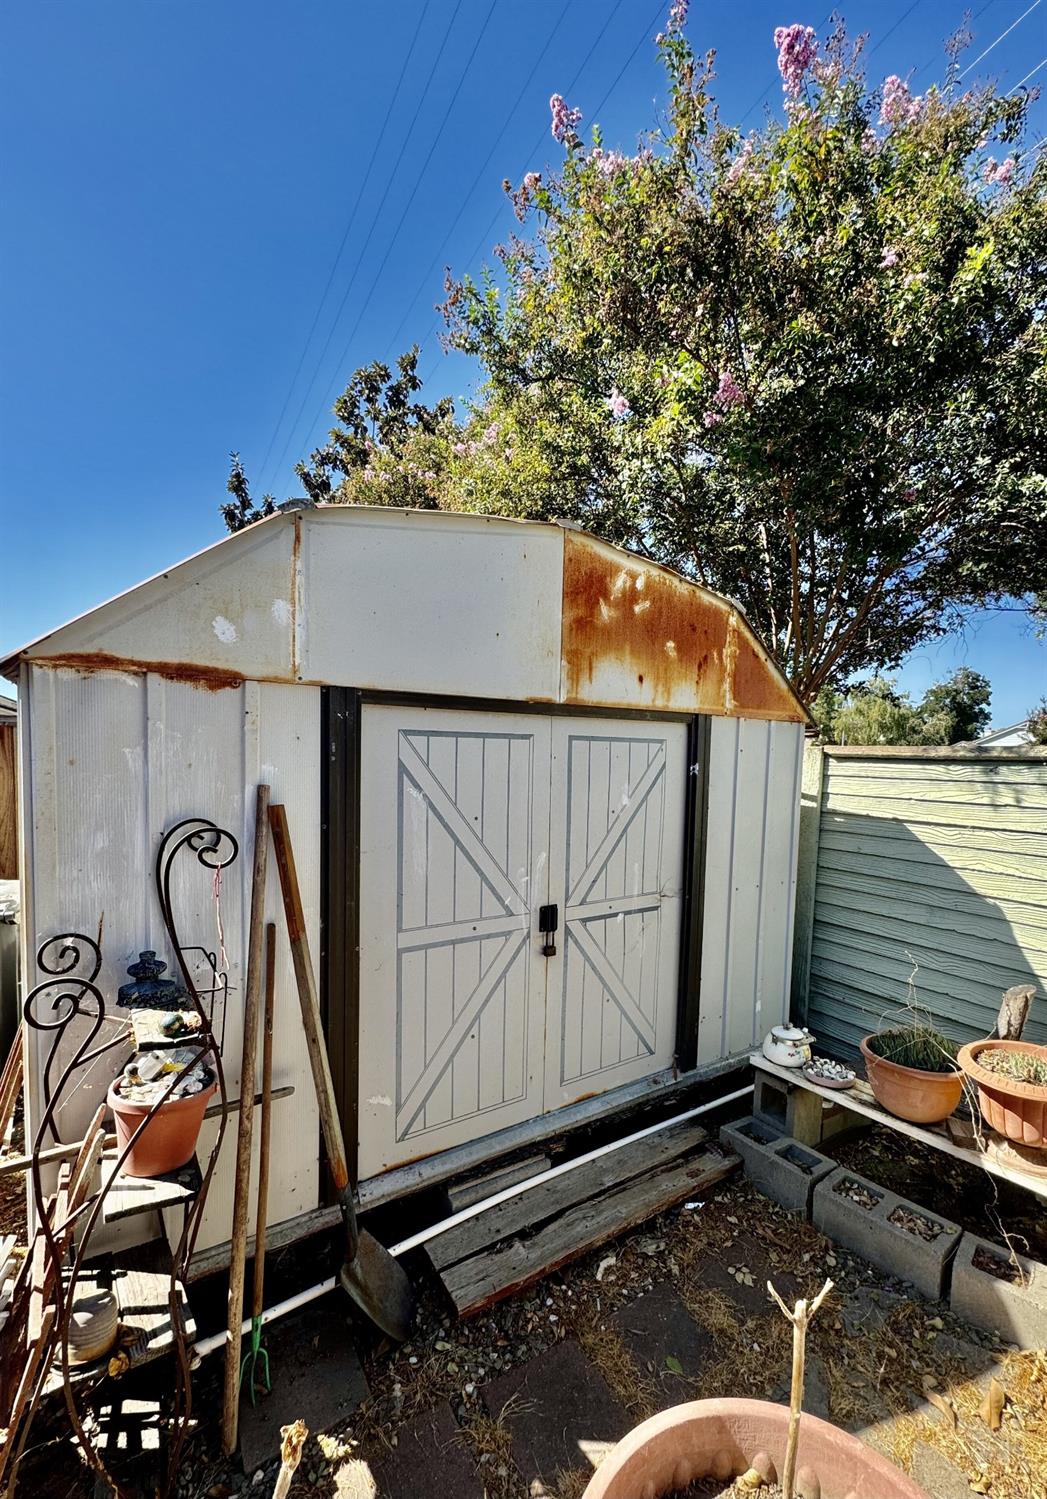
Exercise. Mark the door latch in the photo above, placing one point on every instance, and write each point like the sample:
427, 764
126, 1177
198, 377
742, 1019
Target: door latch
548, 922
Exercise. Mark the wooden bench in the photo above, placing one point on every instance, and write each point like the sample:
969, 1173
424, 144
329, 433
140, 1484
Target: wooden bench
811, 1113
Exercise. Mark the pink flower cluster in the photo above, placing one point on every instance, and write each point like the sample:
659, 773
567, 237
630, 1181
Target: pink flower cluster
471, 448
678, 15
899, 106
531, 180
564, 119
608, 162
797, 49
728, 394
999, 176
889, 257
618, 405
739, 164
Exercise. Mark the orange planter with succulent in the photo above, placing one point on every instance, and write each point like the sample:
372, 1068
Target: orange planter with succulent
1011, 1078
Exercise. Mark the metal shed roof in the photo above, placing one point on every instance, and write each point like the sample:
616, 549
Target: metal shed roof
434, 602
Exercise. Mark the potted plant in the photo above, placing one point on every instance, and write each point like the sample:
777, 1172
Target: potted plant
145, 1088
1011, 1079
913, 1072
748, 1445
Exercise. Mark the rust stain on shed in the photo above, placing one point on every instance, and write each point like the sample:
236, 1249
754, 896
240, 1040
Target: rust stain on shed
638, 635
211, 678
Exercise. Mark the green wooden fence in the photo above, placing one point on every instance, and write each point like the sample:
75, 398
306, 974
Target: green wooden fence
921, 871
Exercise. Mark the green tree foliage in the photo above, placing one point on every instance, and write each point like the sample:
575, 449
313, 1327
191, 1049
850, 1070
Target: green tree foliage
1038, 722
956, 710
805, 366
241, 510
875, 712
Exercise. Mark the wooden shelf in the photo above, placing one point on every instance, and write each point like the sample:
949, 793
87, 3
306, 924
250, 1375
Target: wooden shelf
128, 1195
966, 1140
141, 1279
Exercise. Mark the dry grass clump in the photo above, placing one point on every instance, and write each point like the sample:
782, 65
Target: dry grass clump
604, 1346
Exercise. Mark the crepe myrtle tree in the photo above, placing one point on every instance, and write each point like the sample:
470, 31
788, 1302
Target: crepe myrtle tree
805, 364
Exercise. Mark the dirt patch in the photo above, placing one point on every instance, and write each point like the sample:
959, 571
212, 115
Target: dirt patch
948, 1188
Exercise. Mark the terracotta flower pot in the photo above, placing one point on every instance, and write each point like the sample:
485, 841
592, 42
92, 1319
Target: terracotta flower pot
720, 1439
1016, 1110
910, 1093
168, 1140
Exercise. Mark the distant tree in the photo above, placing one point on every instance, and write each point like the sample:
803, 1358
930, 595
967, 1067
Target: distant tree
1038, 722
875, 712
957, 709
242, 511
386, 449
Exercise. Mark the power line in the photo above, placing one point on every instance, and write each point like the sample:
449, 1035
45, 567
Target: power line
379, 138
366, 299
477, 179
486, 235
934, 56
370, 234
1000, 38
1035, 70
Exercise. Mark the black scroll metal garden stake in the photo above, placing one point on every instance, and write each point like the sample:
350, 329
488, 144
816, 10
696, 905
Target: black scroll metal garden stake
76, 997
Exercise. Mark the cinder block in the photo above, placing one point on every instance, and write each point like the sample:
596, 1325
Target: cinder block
875, 1234
1014, 1307
777, 1165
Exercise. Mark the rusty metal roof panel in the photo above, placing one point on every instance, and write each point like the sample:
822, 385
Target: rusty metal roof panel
434, 602
637, 635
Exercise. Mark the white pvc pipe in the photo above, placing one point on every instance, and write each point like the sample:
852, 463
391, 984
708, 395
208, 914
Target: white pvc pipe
270, 1314
302, 1298
506, 1193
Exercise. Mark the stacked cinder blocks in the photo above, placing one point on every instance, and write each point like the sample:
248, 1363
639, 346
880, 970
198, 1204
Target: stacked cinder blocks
871, 1233
777, 1165
1013, 1304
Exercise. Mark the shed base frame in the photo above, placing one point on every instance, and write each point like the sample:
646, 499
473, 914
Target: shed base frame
665, 1088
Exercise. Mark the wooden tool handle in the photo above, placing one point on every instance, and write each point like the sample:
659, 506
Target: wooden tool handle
245, 1122
262, 1213
310, 1005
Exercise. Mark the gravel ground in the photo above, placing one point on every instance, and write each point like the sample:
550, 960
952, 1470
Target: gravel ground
881, 1361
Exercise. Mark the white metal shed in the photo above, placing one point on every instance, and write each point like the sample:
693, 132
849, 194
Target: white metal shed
478, 726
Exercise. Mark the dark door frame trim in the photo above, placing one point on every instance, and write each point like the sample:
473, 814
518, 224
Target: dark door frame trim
341, 714
340, 717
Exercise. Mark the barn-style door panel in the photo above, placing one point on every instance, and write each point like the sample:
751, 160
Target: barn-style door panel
616, 842
471, 823
452, 992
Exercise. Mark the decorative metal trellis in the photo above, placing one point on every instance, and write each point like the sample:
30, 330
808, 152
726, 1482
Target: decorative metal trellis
68, 995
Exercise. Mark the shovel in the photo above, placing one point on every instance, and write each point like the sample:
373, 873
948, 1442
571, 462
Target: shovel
374, 1280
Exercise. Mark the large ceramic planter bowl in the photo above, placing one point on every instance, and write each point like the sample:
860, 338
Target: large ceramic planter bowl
1016, 1110
168, 1140
909, 1093
720, 1438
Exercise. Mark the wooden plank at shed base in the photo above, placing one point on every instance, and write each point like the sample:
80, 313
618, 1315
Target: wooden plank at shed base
512, 1264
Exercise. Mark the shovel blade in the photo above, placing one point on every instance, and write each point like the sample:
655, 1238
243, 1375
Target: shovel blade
380, 1287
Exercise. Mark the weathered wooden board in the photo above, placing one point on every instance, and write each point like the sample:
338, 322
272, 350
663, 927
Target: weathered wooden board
128, 1195
476, 1188
142, 1282
518, 1262
956, 1136
8, 804
530, 1209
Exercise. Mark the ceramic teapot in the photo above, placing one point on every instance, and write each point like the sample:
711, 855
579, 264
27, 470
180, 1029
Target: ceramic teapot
788, 1046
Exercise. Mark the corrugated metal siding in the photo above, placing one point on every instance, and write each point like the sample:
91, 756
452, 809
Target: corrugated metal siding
934, 865
750, 882
116, 759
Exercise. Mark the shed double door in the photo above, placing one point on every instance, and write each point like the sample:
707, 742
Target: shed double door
471, 824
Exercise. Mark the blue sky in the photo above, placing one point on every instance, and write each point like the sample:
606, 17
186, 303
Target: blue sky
179, 179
